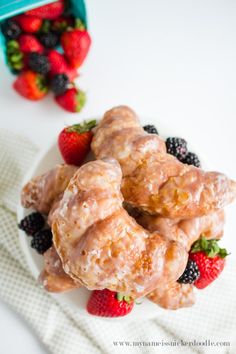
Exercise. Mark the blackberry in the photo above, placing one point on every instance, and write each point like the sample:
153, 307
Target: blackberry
49, 40
42, 241
151, 129
177, 147
32, 223
39, 63
11, 29
59, 84
192, 159
191, 273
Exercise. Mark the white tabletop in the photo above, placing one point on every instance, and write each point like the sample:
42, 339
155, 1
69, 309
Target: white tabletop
172, 61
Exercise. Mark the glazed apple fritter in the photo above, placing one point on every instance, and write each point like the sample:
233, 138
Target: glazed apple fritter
101, 246
154, 181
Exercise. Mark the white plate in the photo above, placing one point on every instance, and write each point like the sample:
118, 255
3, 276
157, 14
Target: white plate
76, 298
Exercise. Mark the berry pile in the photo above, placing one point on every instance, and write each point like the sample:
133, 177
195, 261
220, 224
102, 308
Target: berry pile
32, 43
206, 262
209, 259
33, 225
176, 147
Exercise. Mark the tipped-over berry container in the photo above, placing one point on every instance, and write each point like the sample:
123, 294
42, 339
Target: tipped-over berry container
11, 8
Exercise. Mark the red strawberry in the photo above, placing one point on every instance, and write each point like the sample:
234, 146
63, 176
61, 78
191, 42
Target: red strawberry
210, 259
108, 303
72, 100
59, 65
74, 142
30, 24
49, 11
31, 85
29, 43
76, 44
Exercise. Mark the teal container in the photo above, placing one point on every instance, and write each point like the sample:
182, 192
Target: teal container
9, 8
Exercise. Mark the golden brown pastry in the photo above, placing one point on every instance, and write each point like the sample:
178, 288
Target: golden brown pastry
101, 246
53, 278
54, 207
41, 191
174, 295
186, 231
153, 180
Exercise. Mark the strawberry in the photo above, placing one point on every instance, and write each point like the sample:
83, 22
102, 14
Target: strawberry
29, 43
108, 303
74, 142
72, 100
30, 24
210, 259
31, 85
59, 65
49, 11
76, 44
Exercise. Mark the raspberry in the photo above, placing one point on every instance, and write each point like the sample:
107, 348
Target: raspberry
32, 223
42, 241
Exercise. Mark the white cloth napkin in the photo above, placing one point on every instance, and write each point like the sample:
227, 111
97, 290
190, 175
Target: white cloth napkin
63, 331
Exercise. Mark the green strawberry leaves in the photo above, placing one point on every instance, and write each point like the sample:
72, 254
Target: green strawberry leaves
41, 83
46, 26
210, 247
121, 297
79, 24
82, 128
14, 55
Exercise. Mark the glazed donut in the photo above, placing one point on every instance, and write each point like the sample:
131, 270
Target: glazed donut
101, 245
154, 181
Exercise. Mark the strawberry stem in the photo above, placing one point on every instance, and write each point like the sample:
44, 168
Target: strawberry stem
83, 127
45, 28
41, 83
79, 24
210, 247
121, 297
14, 55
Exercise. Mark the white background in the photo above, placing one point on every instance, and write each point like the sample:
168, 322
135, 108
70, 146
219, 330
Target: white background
172, 61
